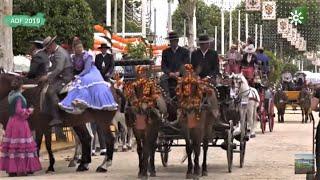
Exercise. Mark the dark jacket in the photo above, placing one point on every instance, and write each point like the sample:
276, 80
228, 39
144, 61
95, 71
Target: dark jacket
108, 63
244, 62
207, 65
61, 66
39, 65
174, 61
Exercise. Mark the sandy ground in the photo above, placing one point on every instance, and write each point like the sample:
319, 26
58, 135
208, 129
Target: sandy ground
268, 156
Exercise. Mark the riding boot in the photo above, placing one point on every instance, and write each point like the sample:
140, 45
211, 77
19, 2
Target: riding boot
56, 118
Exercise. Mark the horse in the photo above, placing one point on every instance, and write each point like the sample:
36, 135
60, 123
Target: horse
250, 98
146, 121
304, 99
39, 121
280, 99
196, 119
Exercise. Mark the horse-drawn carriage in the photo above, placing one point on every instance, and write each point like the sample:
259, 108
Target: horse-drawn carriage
170, 131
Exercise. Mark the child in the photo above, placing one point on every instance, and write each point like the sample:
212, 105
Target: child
18, 151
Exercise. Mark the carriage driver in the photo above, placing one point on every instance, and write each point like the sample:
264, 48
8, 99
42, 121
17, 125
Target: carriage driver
173, 60
60, 74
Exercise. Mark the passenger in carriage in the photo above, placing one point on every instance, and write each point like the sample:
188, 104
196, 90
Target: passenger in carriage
172, 65
249, 58
233, 58
264, 61
89, 90
40, 61
204, 60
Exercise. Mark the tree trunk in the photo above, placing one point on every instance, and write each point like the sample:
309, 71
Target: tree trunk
189, 6
191, 32
6, 53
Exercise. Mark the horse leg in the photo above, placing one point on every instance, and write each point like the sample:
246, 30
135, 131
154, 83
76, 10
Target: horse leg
306, 116
190, 164
85, 139
311, 117
124, 134
302, 112
48, 140
196, 146
205, 150
279, 117
140, 153
39, 135
77, 151
152, 141
129, 138
318, 150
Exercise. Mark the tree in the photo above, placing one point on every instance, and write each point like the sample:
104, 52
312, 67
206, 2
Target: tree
189, 7
275, 67
6, 54
64, 18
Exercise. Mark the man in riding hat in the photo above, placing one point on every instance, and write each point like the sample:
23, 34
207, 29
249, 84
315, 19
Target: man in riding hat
105, 62
173, 60
61, 73
39, 62
205, 61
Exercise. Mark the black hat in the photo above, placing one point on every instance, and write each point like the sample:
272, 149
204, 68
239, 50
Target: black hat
104, 46
172, 36
204, 39
38, 43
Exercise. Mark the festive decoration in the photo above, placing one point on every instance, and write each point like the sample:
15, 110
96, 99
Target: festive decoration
190, 90
269, 10
283, 25
253, 5
298, 15
143, 91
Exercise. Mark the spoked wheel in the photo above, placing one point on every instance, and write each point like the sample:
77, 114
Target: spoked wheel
243, 143
271, 116
263, 119
230, 147
164, 149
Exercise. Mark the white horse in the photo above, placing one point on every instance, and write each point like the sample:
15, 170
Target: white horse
250, 100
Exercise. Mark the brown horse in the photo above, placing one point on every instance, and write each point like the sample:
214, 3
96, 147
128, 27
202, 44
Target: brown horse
280, 99
145, 119
39, 122
304, 99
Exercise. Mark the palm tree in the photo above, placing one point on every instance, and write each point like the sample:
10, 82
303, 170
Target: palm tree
6, 53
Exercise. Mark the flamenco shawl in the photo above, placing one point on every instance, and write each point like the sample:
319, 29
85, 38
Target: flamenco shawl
12, 99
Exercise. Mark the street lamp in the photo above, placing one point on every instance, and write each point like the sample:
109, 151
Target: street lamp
150, 38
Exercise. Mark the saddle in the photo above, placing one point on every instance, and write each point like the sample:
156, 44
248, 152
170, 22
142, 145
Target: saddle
44, 90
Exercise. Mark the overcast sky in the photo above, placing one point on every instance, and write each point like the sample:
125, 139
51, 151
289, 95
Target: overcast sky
162, 12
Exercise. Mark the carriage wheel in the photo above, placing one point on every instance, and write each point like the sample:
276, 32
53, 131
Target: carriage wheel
263, 120
243, 143
164, 158
271, 116
230, 147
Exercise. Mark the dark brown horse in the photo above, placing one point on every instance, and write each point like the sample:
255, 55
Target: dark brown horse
39, 122
146, 121
305, 104
280, 99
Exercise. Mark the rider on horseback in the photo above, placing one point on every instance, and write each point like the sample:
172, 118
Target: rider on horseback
61, 73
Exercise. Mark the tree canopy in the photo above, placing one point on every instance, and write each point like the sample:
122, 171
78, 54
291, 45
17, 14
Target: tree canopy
64, 18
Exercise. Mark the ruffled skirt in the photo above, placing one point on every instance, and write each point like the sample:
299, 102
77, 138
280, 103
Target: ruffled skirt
18, 151
89, 91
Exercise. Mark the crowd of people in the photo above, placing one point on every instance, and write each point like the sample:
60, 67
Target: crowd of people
90, 89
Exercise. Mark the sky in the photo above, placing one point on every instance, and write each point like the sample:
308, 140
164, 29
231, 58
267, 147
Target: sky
162, 12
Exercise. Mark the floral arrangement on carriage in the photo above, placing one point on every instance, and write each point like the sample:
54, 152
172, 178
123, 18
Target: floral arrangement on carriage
191, 90
143, 92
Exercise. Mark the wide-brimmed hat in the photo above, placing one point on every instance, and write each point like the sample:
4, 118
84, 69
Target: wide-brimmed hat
48, 41
38, 43
172, 36
204, 39
104, 46
250, 49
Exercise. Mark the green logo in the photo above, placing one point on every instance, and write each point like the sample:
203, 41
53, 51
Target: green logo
25, 20
298, 15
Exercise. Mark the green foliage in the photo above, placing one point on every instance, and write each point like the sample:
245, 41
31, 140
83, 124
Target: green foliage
137, 50
290, 67
207, 18
64, 18
275, 67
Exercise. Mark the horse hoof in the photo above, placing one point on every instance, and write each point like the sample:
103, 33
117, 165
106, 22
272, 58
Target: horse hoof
204, 173
189, 176
153, 174
82, 168
101, 170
